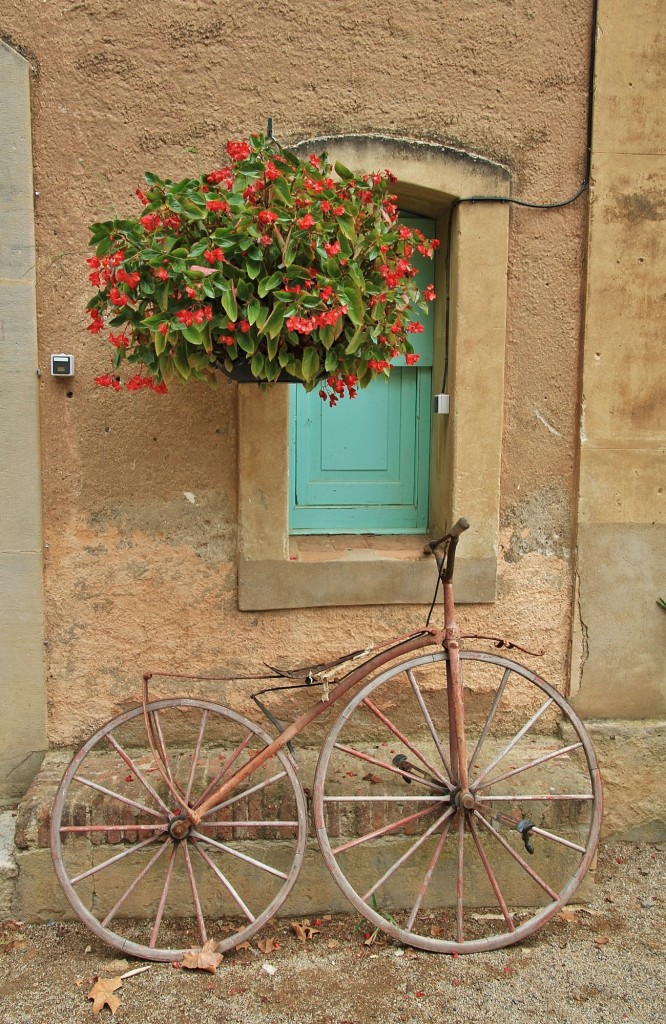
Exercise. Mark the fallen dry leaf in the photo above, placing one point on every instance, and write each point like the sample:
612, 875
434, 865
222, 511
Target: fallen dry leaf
205, 959
243, 945
304, 930
267, 945
102, 994
568, 914
375, 779
601, 941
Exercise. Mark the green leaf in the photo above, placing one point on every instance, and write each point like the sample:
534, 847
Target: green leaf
356, 341
181, 362
274, 324
354, 302
289, 254
280, 188
347, 226
267, 284
194, 334
327, 336
271, 348
247, 343
228, 300
159, 341
257, 364
331, 361
343, 172
356, 276
311, 363
262, 317
253, 311
253, 269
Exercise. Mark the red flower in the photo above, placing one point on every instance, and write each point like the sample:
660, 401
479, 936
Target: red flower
151, 221
214, 255
119, 340
267, 217
414, 327
411, 358
306, 222
226, 339
162, 274
429, 293
332, 248
217, 206
271, 171
97, 323
238, 150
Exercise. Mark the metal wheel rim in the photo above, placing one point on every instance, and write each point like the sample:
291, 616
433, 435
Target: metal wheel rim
110, 937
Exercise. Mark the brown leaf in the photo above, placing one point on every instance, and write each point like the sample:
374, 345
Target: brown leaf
372, 778
267, 945
243, 945
567, 914
304, 930
102, 994
206, 958
601, 941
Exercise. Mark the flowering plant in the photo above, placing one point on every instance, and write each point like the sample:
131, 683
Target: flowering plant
284, 264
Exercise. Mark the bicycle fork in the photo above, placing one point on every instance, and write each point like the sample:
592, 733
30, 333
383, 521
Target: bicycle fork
455, 699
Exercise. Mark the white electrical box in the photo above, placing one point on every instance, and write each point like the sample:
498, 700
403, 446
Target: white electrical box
62, 365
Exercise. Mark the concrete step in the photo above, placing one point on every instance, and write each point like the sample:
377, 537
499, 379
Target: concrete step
38, 897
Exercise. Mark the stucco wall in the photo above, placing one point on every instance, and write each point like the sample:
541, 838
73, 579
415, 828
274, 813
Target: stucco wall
620, 671
140, 491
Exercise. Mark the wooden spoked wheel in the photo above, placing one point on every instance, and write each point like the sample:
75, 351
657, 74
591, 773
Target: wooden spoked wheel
141, 880
420, 864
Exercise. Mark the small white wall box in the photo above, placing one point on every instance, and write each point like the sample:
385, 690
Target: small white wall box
440, 405
62, 365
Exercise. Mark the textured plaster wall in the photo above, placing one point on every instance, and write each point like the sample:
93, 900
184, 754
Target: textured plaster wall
140, 492
621, 666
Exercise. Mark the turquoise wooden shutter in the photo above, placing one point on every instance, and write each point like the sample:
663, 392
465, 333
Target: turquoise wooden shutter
363, 466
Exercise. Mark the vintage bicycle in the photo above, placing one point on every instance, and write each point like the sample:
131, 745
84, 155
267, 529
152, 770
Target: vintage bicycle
456, 801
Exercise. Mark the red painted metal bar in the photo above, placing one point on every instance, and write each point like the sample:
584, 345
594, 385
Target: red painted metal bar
353, 752
224, 769
163, 898
385, 829
131, 764
423, 888
132, 886
225, 881
526, 767
195, 755
491, 875
403, 739
429, 722
118, 796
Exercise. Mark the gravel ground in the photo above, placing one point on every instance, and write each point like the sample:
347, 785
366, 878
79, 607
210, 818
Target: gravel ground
601, 962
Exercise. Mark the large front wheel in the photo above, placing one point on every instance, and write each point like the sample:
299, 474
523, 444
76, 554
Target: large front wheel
417, 861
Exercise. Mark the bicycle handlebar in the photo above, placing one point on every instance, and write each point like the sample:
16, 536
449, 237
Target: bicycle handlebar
456, 530
452, 538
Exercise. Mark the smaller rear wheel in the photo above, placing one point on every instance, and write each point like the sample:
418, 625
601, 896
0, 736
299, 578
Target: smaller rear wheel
130, 865
437, 868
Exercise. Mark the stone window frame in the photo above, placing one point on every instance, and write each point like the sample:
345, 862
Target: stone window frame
465, 445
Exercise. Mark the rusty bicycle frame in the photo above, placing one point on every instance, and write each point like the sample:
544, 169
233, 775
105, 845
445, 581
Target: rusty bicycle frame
453, 785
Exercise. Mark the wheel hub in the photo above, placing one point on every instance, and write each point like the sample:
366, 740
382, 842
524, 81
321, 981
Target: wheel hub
180, 826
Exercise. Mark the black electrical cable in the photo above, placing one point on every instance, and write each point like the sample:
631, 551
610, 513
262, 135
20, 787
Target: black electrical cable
525, 203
